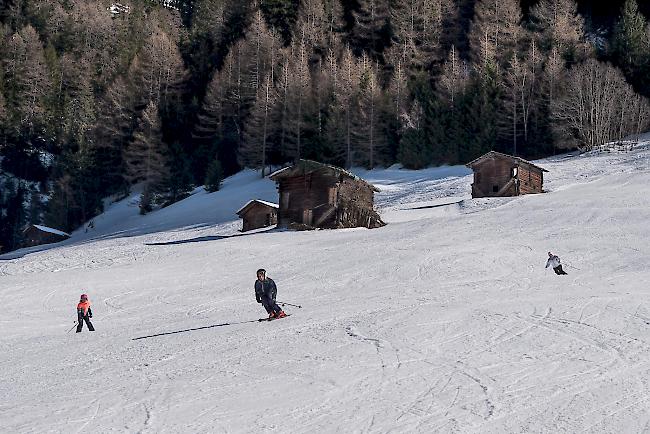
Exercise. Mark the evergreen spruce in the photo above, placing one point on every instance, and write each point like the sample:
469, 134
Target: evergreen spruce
214, 176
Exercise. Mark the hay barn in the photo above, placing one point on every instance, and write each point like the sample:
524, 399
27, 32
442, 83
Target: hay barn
35, 235
500, 175
316, 195
258, 214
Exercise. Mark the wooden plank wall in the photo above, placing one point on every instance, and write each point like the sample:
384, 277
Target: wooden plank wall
36, 237
305, 192
498, 172
530, 180
492, 172
257, 217
326, 200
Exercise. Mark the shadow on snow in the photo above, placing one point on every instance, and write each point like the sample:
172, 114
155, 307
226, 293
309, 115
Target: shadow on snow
212, 238
192, 240
194, 329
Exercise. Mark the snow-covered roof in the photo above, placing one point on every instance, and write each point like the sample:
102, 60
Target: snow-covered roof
50, 230
263, 202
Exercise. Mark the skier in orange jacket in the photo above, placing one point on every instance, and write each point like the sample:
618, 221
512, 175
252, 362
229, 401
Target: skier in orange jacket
84, 313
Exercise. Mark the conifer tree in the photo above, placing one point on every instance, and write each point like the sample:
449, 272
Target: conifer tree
255, 148
495, 32
115, 123
298, 94
399, 93
220, 122
552, 80
214, 176
233, 93
479, 115
323, 82
558, 25
263, 52
283, 100
418, 30
630, 44
446, 112
281, 16
414, 148
93, 34
208, 18
343, 127
453, 78
28, 81
209, 128
521, 96
371, 127
371, 21
158, 71
78, 117
147, 158
319, 24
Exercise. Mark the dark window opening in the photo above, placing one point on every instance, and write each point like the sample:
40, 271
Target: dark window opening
495, 188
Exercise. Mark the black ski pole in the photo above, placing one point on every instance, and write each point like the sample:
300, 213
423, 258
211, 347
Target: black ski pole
289, 304
75, 323
575, 268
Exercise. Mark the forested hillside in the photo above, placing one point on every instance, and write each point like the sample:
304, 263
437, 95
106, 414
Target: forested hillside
97, 96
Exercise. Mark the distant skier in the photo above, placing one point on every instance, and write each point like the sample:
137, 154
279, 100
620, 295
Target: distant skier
265, 292
554, 261
84, 313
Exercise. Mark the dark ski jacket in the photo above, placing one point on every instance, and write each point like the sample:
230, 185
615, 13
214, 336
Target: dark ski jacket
266, 287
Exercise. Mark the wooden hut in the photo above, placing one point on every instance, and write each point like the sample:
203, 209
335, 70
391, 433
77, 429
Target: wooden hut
258, 214
35, 235
499, 175
316, 195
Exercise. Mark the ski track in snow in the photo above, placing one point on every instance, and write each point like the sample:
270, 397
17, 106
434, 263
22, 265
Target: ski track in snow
443, 321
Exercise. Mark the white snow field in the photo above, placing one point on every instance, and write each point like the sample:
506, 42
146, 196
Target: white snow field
443, 321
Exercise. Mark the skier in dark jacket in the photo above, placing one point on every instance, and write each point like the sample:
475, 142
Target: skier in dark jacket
265, 292
554, 261
84, 313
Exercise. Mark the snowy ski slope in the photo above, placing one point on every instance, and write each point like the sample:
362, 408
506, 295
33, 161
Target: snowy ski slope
443, 321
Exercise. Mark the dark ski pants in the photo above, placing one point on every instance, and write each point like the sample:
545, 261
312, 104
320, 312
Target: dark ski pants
559, 270
270, 305
80, 324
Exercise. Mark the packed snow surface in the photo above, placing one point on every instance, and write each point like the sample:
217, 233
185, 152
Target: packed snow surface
445, 320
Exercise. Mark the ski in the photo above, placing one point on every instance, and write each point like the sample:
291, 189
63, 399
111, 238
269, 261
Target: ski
271, 319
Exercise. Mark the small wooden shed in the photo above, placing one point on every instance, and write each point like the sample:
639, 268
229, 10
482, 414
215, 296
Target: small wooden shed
499, 175
316, 195
35, 235
258, 214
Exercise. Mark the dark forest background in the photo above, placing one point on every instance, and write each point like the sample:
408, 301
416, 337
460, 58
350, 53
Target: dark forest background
97, 96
